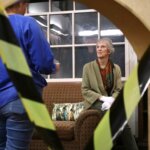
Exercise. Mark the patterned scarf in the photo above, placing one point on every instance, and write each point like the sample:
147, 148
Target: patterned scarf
107, 76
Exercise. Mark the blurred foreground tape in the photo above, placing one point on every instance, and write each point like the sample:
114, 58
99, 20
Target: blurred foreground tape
132, 17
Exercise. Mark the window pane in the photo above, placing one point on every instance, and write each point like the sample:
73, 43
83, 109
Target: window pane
118, 57
64, 56
80, 6
38, 7
61, 29
42, 21
108, 29
83, 55
62, 5
86, 29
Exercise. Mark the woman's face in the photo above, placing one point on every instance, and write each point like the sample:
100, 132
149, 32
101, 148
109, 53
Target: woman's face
102, 50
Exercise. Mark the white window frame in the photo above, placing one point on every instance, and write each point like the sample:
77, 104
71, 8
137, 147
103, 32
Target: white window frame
128, 47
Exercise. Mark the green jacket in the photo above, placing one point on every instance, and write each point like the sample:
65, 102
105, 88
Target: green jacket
92, 84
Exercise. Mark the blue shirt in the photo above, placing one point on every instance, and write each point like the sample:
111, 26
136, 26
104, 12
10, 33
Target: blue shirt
37, 52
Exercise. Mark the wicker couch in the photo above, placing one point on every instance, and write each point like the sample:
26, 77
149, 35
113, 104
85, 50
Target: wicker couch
74, 135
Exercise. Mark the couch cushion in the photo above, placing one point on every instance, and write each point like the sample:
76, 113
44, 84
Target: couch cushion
65, 129
67, 111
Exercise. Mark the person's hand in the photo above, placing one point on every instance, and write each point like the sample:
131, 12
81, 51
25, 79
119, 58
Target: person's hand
108, 99
57, 66
107, 102
57, 63
106, 106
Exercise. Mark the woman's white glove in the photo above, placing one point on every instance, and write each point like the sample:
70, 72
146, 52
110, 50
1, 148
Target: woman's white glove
108, 99
107, 102
105, 106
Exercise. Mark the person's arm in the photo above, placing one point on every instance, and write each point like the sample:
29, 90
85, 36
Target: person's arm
39, 49
88, 94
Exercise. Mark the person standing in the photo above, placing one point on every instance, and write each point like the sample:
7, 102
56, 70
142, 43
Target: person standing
101, 84
15, 128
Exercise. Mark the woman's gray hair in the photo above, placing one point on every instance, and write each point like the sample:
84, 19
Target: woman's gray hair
109, 44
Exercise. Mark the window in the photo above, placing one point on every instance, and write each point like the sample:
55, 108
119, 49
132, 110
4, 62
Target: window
60, 29
72, 29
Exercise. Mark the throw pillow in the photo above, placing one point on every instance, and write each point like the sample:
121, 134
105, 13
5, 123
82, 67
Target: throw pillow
67, 111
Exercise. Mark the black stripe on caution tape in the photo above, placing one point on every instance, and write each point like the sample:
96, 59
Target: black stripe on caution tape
143, 70
26, 86
49, 137
5, 30
117, 109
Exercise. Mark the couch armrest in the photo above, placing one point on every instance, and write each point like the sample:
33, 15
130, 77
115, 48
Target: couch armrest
85, 125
